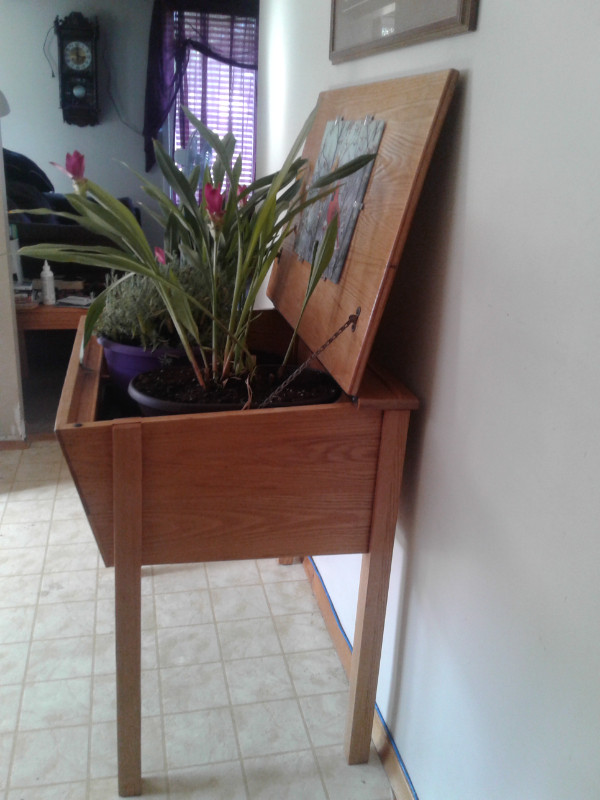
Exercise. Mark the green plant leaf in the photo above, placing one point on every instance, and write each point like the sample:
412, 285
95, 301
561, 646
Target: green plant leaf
345, 170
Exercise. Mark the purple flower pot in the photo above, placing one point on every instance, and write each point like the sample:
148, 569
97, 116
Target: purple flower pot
125, 361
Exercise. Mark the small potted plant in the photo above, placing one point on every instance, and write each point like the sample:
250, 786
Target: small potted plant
135, 329
220, 241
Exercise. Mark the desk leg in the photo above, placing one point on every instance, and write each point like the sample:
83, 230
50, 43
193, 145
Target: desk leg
127, 509
373, 590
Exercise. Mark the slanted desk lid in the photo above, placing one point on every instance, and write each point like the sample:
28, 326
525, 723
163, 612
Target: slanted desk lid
413, 109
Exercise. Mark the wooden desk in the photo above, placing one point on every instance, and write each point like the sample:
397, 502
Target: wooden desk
44, 318
49, 318
307, 479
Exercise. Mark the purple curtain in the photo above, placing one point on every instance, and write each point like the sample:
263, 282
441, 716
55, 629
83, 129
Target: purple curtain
170, 43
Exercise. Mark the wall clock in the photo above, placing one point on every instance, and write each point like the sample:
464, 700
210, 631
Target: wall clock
78, 78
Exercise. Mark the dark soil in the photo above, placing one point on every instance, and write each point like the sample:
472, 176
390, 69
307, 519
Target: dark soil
179, 384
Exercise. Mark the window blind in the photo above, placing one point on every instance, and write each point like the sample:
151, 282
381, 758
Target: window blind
221, 95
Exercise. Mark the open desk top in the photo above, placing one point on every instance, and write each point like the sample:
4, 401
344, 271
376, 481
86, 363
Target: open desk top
413, 109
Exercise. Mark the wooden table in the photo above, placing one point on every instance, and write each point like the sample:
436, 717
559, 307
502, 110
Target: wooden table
49, 318
276, 482
44, 318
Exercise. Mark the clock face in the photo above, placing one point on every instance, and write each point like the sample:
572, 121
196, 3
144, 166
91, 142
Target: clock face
78, 55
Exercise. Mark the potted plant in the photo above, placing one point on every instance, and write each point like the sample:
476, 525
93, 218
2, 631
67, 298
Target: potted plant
135, 329
220, 241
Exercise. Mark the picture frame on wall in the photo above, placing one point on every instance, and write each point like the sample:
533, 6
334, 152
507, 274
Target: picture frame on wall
363, 27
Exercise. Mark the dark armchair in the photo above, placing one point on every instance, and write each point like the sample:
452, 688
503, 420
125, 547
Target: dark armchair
27, 186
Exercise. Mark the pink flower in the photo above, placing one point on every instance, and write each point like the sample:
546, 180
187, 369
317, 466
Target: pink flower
215, 202
74, 166
160, 256
240, 190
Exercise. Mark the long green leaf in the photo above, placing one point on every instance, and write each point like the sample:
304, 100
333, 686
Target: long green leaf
323, 255
349, 168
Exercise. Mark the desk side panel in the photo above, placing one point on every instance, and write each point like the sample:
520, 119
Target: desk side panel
259, 484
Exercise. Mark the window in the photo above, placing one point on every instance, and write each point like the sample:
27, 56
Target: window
221, 95
203, 54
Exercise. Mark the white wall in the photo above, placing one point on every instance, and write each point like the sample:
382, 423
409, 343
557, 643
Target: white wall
35, 126
12, 419
489, 679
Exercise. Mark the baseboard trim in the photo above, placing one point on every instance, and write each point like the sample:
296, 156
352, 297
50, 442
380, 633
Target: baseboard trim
13, 444
380, 735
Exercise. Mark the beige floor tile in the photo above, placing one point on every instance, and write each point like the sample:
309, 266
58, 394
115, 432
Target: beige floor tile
325, 717
6, 745
9, 462
291, 597
232, 573
271, 571
268, 728
60, 658
153, 786
42, 451
16, 624
68, 507
104, 654
33, 490
193, 644
28, 511
13, 661
50, 704
50, 756
244, 602
70, 531
60, 587
19, 590
200, 737
10, 697
33, 469
17, 534
22, 560
193, 687
292, 776
300, 632
212, 782
71, 557
317, 672
183, 608
61, 791
65, 487
356, 782
257, 679
248, 638
58, 620
179, 577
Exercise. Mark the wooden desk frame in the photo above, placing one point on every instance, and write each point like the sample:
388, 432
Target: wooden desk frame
44, 318
49, 318
152, 498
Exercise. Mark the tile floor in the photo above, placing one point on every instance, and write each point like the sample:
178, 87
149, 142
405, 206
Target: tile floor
243, 693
